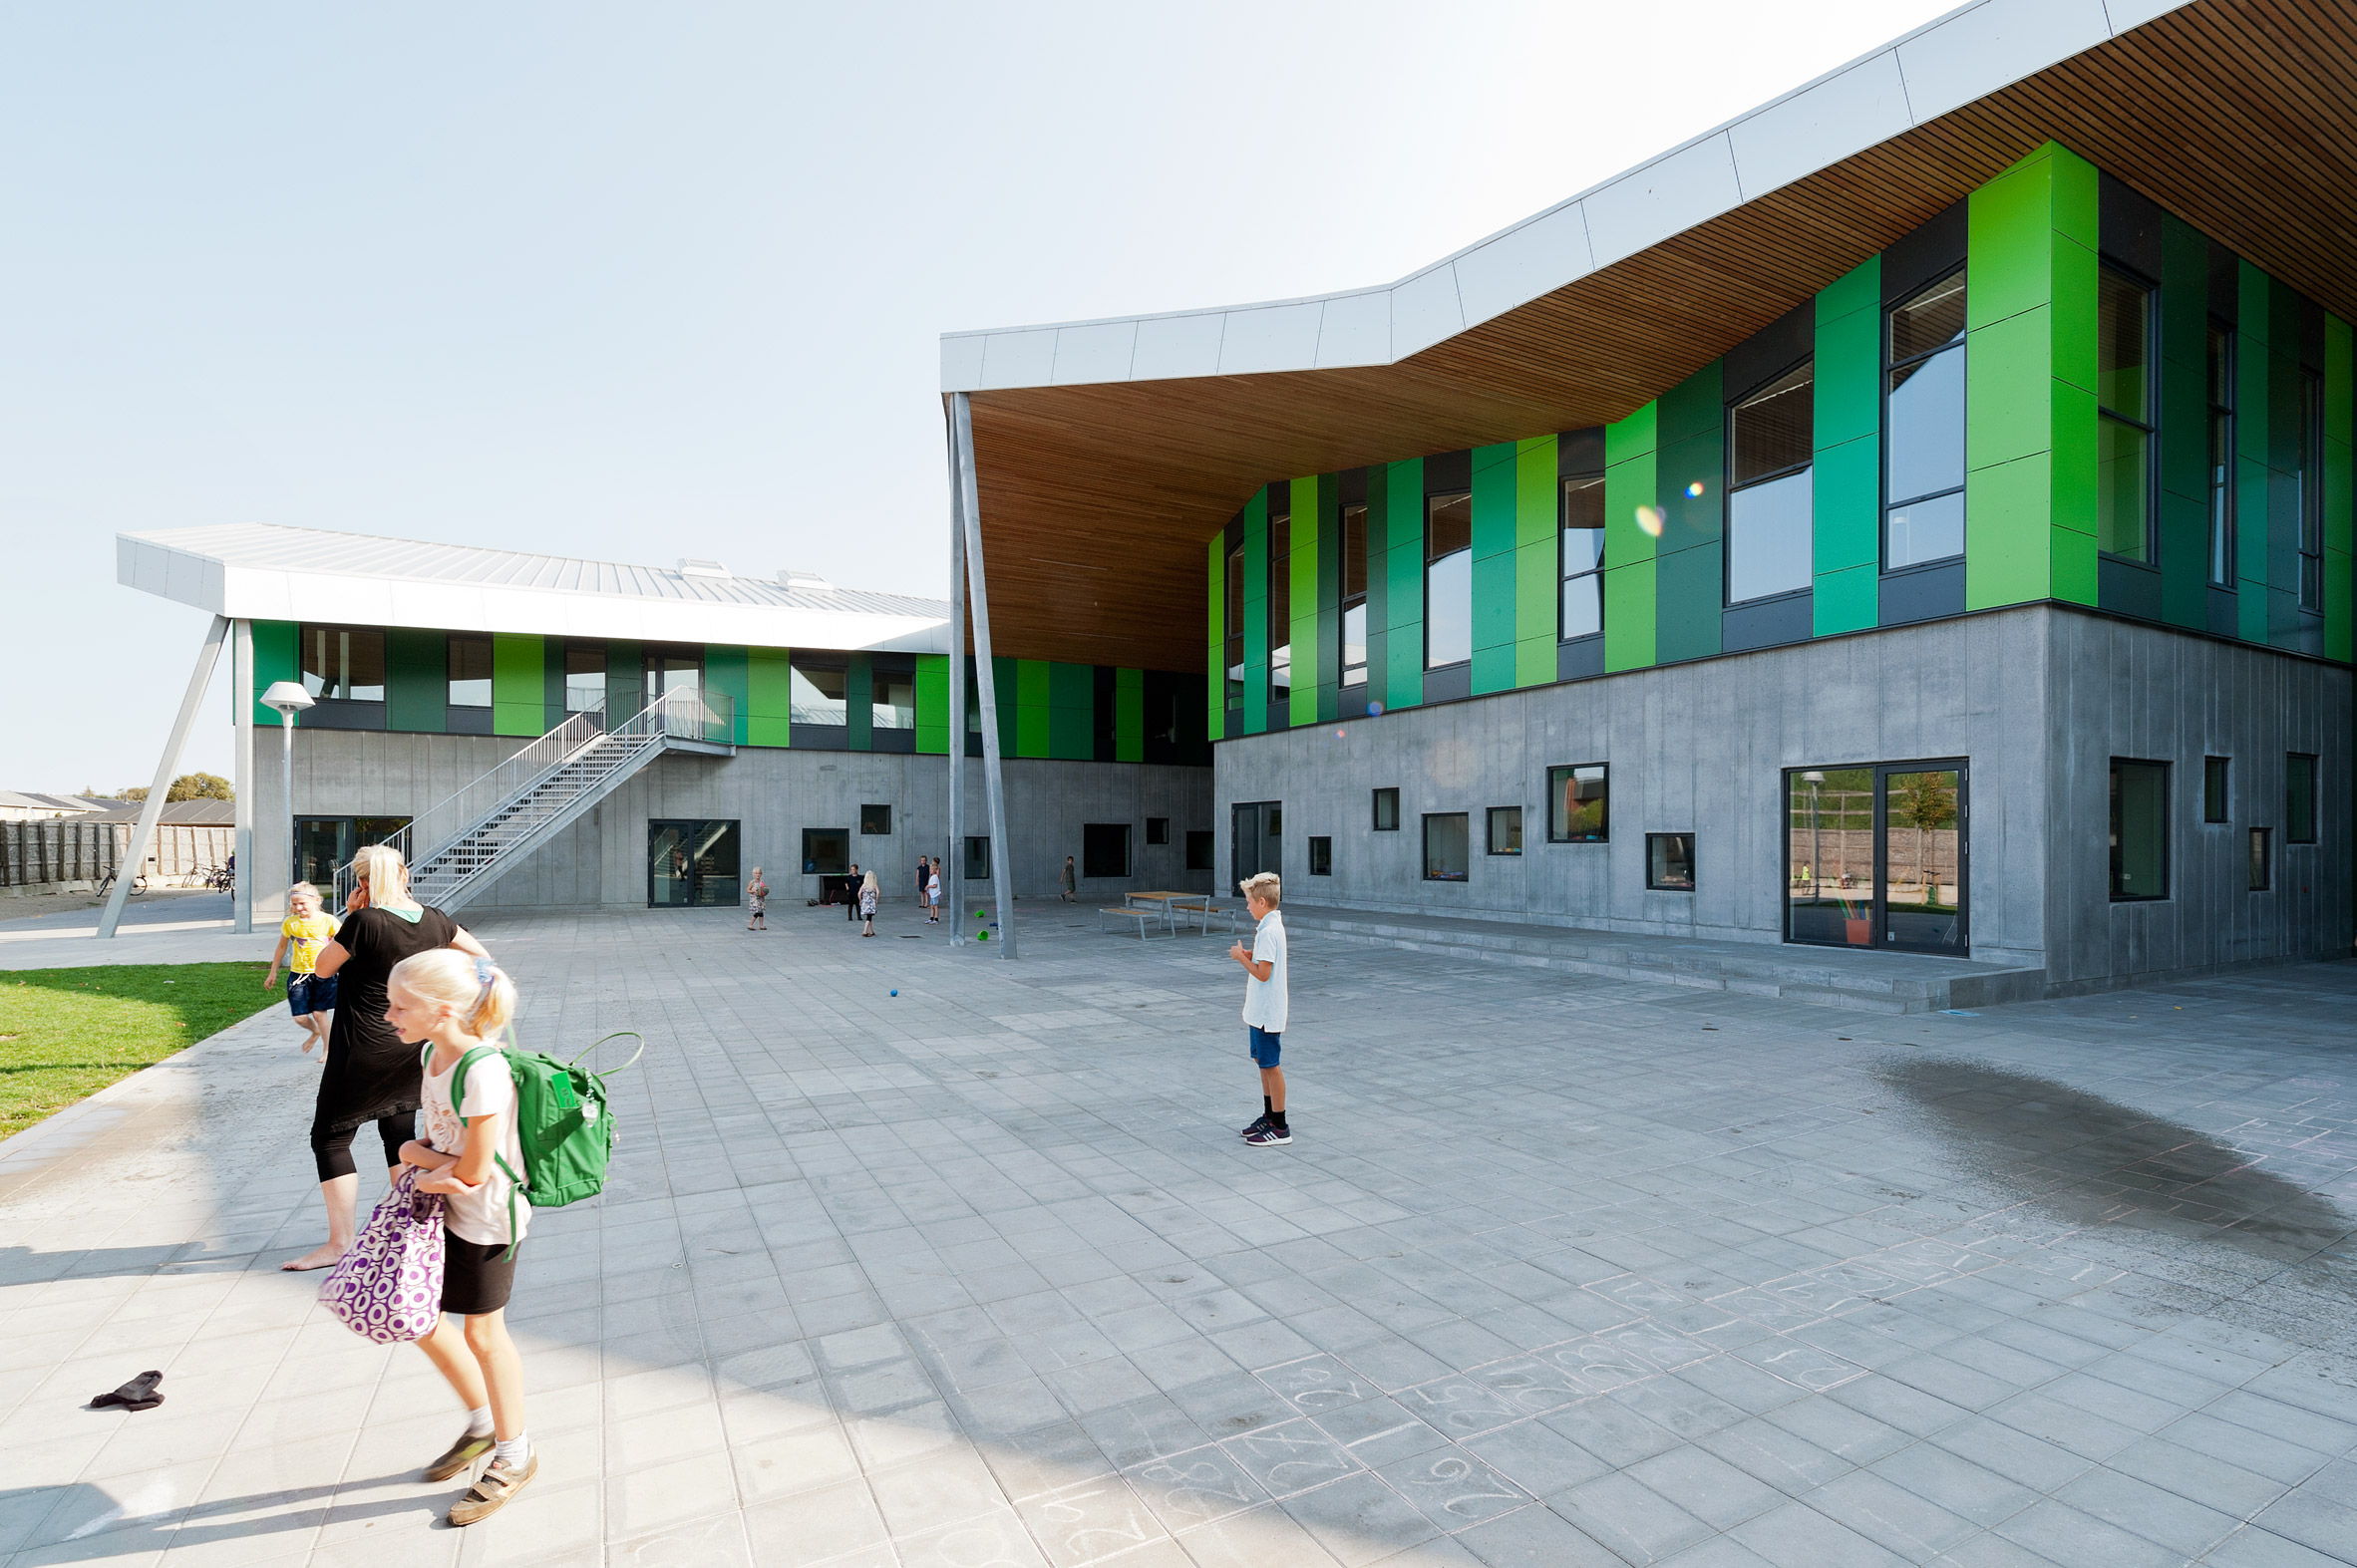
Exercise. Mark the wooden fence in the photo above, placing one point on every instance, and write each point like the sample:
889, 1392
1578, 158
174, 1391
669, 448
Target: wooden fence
44, 855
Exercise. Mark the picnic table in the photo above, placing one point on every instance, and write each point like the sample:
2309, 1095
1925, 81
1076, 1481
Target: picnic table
1173, 904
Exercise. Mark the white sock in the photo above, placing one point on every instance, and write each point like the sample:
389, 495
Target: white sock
515, 1453
479, 1422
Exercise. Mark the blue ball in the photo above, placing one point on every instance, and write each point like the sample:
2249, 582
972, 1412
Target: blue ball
895, 993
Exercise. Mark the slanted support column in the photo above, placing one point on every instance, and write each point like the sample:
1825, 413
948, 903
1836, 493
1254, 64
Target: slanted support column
242, 710
993, 779
953, 868
135, 860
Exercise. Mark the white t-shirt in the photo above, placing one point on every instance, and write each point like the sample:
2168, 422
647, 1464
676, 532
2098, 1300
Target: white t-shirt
1264, 1000
933, 888
482, 1215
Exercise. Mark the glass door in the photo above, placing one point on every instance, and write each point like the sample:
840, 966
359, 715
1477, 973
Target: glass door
691, 864
1876, 856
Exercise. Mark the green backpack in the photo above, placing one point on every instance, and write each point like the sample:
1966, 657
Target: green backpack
560, 1120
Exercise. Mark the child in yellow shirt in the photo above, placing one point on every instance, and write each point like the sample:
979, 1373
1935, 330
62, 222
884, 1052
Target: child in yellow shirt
311, 997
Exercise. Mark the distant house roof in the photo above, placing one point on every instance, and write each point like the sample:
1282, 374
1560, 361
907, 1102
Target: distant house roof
71, 805
262, 571
181, 814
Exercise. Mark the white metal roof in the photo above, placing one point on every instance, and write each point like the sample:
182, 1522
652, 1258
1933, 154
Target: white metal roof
261, 572
1969, 52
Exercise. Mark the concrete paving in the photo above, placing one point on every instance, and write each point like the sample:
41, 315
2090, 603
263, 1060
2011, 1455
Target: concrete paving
1561, 1270
162, 927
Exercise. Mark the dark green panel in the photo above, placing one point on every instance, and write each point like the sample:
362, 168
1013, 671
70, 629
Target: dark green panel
1072, 711
1694, 405
1006, 689
1378, 588
2284, 405
552, 682
623, 669
859, 703
1688, 603
1694, 464
1329, 537
417, 679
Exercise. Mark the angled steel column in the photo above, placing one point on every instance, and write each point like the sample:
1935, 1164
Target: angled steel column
135, 860
953, 867
241, 695
993, 780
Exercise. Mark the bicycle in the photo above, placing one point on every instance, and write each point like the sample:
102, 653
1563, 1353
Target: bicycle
139, 885
219, 878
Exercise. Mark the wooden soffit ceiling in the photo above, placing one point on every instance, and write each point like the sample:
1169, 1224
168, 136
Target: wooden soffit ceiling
1096, 501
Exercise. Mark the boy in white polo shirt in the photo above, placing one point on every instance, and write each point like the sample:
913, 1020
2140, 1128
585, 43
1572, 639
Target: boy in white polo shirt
1264, 1004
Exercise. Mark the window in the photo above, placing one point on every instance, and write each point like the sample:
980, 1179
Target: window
1447, 846
1234, 624
1280, 608
2140, 829
1200, 848
2221, 457
1575, 801
1669, 863
1581, 558
342, 664
2263, 859
1105, 851
1506, 829
1448, 580
584, 677
1923, 426
817, 695
675, 670
1276, 820
1158, 831
1353, 595
875, 822
1321, 857
892, 701
1769, 508
825, 851
2215, 803
691, 864
2124, 422
324, 844
2299, 799
469, 672
977, 866
2311, 453
1387, 810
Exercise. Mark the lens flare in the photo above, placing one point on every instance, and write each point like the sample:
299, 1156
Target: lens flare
1649, 519
1695, 490
1374, 710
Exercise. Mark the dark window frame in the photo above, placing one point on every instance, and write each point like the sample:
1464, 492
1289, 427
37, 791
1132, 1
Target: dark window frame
452, 680
583, 648
865, 832
2223, 432
2114, 829
1565, 577
804, 667
1352, 601
2150, 425
303, 631
977, 851
2218, 789
1232, 653
811, 836
1433, 501
1490, 819
1652, 884
1092, 864
1729, 488
1157, 832
1463, 817
1554, 795
732, 829
1321, 856
1203, 850
1892, 502
1280, 579
2294, 763
1377, 802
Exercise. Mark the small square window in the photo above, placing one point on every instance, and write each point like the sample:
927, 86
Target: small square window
2299, 799
1158, 829
1669, 863
1506, 829
1446, 847
1387, 810
977, 857
2261, 859
1321, 857
1198, 849
1575, 804
2215, 803
875, 822
825, 851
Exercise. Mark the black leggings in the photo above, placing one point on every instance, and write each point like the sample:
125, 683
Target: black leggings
333, 1150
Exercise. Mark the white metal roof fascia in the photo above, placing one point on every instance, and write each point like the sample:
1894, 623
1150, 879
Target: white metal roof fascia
1949, 62
268, 592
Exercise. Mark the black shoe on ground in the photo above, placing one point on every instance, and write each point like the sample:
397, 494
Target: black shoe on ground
1257, 1125
1270, 1136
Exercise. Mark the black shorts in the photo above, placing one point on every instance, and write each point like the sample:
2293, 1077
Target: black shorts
476, 1276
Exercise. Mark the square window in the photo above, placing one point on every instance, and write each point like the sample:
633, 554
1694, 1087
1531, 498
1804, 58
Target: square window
2140, 829
2215, 803
2261, 859
1198, 848
977, 867
1575, 804
1506, 829
1158, 831
1387, 810
1669, 863
343, 663
875, 822
2299, 799
469, 672
1105, 851
1321, 857
825, 851
1447, 846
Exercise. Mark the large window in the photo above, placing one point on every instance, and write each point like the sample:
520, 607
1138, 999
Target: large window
469, 672
322, 845
977, 866
825, 851
2140, 829
1575, 804
2222, 456
1923, 426
1581, 558
1280, 608
1202, 845
2124, 422
891, 702
816, 694
1448, 580
691, 864
1874, 856
1353, 595
1234, 623
1769, 505
2299, 799
1105, 851
1387, 810
1506, 829
2216, 800
2311, 453
1669, 863
584, 677
344, 664
1446, 847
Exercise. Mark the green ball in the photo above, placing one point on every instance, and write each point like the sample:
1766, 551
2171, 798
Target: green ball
982, 936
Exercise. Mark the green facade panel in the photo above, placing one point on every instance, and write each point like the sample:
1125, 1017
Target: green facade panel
1128, 716
417, 679
1030, 693
728, 673
1072, 711
1493, 539
1215, 648
2340, 473
1402, 581
932, 703
519, 684
858, 701
1255, 718
1846, 524
1538, 560
1632, 528
277, 656
1311, 503
769, 696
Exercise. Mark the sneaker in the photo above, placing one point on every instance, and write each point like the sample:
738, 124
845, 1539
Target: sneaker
459, 1455
493, 1490
1258, 1122
1266, 1138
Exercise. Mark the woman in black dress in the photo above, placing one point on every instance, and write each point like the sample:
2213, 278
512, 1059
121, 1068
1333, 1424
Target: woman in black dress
371, 1076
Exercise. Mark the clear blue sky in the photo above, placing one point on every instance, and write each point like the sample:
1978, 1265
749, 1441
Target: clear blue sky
638, 282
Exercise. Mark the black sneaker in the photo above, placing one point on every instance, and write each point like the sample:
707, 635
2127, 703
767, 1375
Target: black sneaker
1260, 1123
1268, 1137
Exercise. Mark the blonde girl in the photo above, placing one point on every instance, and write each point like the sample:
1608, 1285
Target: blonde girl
870, 892
452, 1004
301, 935
757, 894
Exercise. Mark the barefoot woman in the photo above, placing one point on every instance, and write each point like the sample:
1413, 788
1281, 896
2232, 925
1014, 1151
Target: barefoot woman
371, 1076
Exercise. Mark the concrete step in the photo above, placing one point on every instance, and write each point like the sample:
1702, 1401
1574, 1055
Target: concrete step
1886, 983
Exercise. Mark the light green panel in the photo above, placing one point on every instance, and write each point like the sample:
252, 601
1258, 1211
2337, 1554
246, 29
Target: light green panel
1536, 565
1494, 480
1034, 693
277, 656
932, 703
1402, 581
1215, 657
1255, 707
1128, 716
1630, 468
519, 682
2011, 502
728, 673
1301, 585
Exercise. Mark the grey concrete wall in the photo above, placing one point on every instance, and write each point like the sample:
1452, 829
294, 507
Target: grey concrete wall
773, 795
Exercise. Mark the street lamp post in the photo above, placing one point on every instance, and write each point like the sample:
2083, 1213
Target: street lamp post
288, 698
1816, 781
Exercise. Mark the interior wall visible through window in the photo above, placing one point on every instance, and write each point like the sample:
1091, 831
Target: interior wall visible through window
1448, 580
1581, 557
1770, 499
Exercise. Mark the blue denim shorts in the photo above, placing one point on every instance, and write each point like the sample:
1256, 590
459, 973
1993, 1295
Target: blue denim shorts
1264, 1046
310, 994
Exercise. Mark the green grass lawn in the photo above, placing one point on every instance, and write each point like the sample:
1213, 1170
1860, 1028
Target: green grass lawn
66, 1034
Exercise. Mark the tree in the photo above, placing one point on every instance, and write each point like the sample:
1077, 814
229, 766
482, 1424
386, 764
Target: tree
199, 786
137, 794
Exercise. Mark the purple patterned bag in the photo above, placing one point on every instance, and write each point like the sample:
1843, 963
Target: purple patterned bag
388, 1288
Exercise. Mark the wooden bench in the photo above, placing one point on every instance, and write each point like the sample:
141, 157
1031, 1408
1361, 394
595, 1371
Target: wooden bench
1143, 916
1206, 911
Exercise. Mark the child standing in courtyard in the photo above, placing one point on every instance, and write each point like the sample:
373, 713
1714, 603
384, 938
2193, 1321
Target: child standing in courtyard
310, 997
933, 895
870, 892
454, 1004
1264, 1004
756, 893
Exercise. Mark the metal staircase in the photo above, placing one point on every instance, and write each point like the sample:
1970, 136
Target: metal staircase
463, 844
